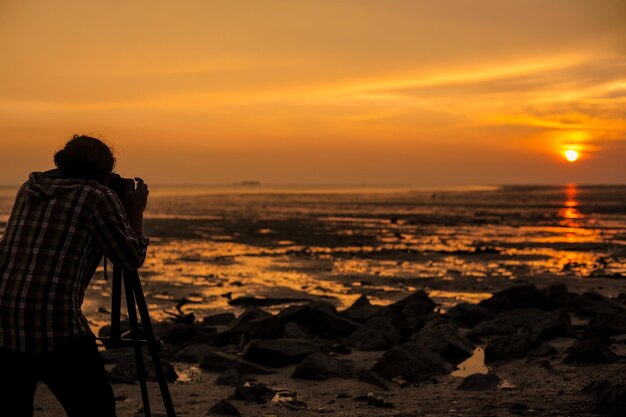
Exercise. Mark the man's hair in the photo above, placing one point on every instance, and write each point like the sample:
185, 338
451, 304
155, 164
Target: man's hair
85, 157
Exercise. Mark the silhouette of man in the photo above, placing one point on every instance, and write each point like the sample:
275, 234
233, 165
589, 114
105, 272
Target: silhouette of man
62, 223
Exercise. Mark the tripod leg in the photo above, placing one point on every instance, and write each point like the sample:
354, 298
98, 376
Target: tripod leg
134, 326
115, 334
153, 346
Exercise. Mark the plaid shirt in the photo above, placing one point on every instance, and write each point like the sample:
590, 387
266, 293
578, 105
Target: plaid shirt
54, 240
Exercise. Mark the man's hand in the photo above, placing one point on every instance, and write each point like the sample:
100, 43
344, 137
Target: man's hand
136, 202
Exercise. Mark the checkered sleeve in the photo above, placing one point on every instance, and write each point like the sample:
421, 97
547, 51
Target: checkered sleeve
110, 227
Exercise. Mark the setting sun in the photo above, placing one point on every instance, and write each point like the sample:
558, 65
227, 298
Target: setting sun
571, 155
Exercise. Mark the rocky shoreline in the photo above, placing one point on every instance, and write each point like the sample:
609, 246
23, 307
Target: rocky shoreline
402, 347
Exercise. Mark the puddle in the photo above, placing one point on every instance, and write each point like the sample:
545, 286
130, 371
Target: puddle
475, 364
187, 373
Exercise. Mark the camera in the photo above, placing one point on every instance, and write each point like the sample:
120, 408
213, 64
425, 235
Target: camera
121, 185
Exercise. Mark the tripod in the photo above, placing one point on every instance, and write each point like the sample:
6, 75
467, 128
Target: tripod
135, 300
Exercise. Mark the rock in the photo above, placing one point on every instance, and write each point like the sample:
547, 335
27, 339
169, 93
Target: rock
362, 310
230, 377
293, 330
372, 378
479, 382
220, 319
557, 296
374, 400
268, 327
593, 303
443, 338
522, 410
319, 319
224, 408
521, 296
554, 324
249, 313
594, 331
590, 351
179, 333
411, 361
253, 392
510, 346
469, 314
220, 362
320, 367
509, 322
611, 322
277, 353
110, 356
192, 353
125, 370
378, 333
415, 305
610, 397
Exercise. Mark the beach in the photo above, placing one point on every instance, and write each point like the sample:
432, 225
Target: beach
217, 250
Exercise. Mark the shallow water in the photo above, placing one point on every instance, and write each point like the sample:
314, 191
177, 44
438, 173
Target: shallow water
212, 244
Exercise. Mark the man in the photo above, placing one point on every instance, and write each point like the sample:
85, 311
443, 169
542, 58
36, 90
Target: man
62, 223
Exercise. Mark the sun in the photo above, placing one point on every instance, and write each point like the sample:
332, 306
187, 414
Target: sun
571, 155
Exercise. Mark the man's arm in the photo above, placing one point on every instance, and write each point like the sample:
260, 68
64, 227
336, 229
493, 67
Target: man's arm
121, 237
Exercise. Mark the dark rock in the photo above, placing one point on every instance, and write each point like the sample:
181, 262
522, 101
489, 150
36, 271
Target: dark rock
557, 296
179, 333
442, 337
522, 410
253, 392
510, 346
216, 339
230, 377
590, 351
321, 367
469, 314
372, 378
220, 319
378, 333
110, 356
611, 322
594, 331
479, 382
362, 310
293, 330
610, 397
220, 362
319, 318
268, 327
224, 408
412, 362
277, 353
415, 305
593, 303
554, 324
509, 322
374, 400
192, 353
521, 296
125, 370
249, 313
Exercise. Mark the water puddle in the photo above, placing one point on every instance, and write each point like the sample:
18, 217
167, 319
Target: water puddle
475, 364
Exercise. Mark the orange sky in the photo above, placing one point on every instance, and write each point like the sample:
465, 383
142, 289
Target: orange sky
324, 91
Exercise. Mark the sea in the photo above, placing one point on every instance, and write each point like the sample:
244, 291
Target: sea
212, 246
